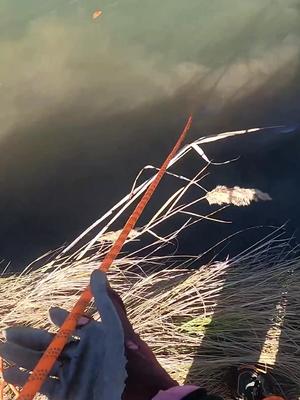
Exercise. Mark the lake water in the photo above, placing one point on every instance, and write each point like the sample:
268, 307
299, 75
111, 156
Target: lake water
85, 104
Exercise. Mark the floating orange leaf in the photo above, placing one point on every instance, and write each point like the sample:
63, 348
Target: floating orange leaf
96, 14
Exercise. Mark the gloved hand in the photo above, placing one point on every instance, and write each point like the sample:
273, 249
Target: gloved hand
92, 365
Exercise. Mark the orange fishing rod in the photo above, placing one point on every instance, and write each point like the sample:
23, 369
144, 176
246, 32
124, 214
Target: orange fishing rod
45, 364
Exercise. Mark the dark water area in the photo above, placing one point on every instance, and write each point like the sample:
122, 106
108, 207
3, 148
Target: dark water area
53, 195
77, 129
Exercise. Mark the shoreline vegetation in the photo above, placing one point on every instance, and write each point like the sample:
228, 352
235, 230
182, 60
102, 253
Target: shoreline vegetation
201, 320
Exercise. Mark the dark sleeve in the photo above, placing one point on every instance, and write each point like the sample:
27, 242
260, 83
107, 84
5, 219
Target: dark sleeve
145, 375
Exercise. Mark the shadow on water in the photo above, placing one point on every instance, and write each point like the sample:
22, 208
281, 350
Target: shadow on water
267, 161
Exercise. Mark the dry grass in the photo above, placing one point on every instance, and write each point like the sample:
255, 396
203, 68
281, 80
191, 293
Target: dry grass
236, 196
199, 322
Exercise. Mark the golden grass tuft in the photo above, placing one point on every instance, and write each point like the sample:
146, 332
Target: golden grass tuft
198, 322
